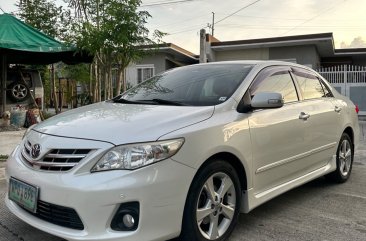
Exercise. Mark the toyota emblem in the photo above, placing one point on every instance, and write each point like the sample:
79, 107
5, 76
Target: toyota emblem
36, 150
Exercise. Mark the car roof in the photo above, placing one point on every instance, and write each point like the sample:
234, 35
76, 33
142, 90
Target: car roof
259, 63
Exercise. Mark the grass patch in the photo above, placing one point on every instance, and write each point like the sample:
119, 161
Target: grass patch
3, 158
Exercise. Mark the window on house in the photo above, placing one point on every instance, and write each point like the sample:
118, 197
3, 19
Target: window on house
144, 73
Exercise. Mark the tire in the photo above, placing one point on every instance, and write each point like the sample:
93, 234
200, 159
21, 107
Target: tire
345, 155
18, 91
202, 211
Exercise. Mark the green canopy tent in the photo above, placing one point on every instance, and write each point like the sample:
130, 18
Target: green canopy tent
23, 44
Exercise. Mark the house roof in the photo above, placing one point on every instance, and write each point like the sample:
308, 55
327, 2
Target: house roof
323, 41
349, 51
276, 40
179, 53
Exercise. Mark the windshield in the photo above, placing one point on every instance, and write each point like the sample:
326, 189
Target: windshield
196, 85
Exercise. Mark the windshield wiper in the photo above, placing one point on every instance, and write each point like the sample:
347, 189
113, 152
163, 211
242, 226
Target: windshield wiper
165, 102
168, 102
124, 101
153, 101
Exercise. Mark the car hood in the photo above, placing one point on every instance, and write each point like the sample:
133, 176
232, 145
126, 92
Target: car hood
123, 123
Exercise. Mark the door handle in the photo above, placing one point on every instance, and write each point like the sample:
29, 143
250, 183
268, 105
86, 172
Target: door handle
337, 109
304, 116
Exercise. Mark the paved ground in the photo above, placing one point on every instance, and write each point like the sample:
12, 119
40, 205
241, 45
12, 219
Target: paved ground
2, 172
318, 210
8, 141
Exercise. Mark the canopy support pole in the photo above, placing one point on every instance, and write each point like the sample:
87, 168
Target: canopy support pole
4, 70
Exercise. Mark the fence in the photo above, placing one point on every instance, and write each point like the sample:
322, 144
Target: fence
350, 81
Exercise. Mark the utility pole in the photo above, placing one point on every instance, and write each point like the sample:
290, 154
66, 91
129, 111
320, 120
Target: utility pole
203, 57
213, 23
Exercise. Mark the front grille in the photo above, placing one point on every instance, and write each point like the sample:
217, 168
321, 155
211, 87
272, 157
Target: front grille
58, 215
55, 159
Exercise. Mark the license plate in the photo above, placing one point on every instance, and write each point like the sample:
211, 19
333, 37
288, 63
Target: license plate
23, 194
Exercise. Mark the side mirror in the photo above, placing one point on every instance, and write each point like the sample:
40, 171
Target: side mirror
265, 100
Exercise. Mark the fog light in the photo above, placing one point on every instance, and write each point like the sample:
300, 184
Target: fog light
127, 217
128, 221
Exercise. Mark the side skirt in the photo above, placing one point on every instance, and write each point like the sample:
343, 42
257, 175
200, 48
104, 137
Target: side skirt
251, 199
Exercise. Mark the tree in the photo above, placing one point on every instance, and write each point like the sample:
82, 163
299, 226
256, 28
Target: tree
126, 28
49, 18
114, 31
43, 15
357, 42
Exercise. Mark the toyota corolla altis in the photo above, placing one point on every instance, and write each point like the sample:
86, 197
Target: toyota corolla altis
183, 153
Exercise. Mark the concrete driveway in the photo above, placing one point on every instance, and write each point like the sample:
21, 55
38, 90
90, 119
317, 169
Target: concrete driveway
9, 140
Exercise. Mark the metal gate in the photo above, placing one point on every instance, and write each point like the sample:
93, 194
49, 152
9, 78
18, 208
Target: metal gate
349, 81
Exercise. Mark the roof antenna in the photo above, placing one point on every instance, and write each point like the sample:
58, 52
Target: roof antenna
2, 10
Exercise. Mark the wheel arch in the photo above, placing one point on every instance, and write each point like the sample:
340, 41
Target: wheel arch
350, 133
228, 158
234, 161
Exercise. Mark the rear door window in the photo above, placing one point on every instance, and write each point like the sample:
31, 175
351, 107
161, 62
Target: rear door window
310, 85
327, 92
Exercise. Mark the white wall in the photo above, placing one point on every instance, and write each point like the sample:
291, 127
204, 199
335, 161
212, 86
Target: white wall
243, 54
131, 74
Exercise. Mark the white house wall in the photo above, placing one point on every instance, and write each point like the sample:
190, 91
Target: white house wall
158, 61
243, 54
131, 74
305, 55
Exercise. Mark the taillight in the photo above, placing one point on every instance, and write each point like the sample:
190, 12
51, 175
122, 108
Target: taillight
357, 109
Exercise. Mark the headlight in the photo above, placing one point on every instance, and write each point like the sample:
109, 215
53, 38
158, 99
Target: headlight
28, 130
130, 157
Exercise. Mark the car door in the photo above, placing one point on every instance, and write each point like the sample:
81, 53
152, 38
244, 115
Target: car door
323, 122
278, 135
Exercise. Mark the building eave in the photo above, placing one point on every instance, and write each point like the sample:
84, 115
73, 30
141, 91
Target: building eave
174, 50
270, 44
324, 43
350, 51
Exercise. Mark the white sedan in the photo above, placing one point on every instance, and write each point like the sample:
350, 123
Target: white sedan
183, 153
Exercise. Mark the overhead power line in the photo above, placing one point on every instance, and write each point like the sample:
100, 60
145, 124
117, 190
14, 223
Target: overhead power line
271, 27
191, 19
266, 17
196, 28
246, 6
314, 17
165, 3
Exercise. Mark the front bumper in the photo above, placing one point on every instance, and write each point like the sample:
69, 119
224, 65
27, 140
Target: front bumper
160, 189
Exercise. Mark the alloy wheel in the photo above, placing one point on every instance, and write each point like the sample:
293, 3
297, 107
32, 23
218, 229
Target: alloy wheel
19, 91
216, 206
345, 157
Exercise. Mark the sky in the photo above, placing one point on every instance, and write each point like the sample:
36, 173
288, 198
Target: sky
182, 19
